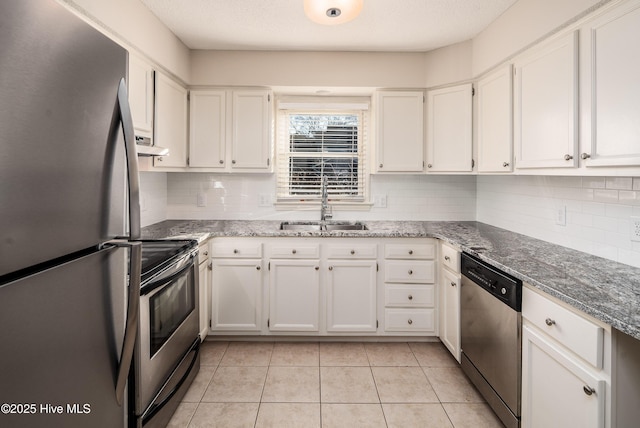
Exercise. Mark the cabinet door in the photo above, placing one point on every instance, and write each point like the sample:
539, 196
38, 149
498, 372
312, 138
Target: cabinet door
207, 126
252, 130
495, 122
141, 96
399, 126
450, 312
449, 129
557, 390
170, 122
294, 292
203, 280
236, 297
351, 296
545, 107
615, 67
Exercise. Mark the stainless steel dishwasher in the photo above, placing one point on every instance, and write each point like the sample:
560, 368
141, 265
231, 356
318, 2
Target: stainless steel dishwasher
491, 336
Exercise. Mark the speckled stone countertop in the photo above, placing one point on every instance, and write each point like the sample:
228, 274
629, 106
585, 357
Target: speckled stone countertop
607, 290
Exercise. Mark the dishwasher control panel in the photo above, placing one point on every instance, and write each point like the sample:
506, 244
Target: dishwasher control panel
496, 282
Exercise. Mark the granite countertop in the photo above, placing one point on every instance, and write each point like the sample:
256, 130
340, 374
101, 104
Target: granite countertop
604, 289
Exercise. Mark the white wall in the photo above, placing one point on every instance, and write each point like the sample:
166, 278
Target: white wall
233, 196
315, 69
598, 211
131, 23
153, 197
449, 64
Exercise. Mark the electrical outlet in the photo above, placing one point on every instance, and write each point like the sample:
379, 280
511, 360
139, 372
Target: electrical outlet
635, 229
264, 200
561, 216
201, 199
380, 201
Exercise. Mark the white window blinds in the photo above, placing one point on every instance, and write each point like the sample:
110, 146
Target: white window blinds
318, 140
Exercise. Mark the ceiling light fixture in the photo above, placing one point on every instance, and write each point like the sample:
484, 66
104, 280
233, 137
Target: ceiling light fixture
332, 12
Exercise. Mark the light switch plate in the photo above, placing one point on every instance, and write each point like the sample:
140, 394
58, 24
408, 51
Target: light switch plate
201, 199
561, 216
635, 229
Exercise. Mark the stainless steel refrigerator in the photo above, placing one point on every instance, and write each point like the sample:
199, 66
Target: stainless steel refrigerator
69, 273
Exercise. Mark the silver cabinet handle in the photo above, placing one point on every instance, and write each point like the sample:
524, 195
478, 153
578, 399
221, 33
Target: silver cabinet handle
568, 157
410, 297
293, 251
330, 267
257, 267
317, 268
588, 390
380, 165
210, 266
410, 252
233, 162
220, 161
505, 164
235, 251
429, 165
447, 258
549, 322
410, 321
206, 253
353, 252
410, 272
453, 284
159, 158
585, 156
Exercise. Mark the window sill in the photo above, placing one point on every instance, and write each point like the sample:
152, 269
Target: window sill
308, 206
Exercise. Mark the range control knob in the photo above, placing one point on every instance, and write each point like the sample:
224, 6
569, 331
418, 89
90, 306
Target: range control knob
503, 291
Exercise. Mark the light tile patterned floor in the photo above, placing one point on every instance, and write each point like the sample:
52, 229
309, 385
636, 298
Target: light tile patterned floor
331, 384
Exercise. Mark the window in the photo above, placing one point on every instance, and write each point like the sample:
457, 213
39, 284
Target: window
327, 141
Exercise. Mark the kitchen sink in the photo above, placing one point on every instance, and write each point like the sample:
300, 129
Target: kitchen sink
320, 226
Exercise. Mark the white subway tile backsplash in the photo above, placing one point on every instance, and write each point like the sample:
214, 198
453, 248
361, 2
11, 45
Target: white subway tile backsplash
629, 197
605, 195
594, 182
636, 183
620, 183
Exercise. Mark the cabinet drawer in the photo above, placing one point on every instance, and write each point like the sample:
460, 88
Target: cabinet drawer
570, 329
410, 251
409, 295
411, 271
356, 251
236, 249
203, 253
302, 250
410, 320
450, 257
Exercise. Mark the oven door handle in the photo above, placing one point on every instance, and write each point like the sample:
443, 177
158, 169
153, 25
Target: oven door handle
148, 288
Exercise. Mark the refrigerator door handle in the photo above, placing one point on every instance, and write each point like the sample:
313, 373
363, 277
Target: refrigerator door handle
133, 311
132, 161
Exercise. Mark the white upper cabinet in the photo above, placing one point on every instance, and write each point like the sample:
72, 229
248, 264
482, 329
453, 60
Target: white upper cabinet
231, 130
545, 110
495, 121
207, 128
170, 122
399, 130
449, 129
141, 96
252, 130
614, 69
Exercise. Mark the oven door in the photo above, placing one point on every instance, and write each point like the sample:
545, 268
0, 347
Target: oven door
169, 323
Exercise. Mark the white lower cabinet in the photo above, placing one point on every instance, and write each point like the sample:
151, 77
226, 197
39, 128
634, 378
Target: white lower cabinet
565, 379
450, 311
204, 281
351, 296
294, 295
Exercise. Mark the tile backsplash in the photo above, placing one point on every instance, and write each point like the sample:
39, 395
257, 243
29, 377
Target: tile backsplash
590, 214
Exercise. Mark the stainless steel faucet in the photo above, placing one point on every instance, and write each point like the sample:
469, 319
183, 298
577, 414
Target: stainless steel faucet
324, 215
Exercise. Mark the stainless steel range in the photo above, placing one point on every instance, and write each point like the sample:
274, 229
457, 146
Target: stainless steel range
491, 336
167, 351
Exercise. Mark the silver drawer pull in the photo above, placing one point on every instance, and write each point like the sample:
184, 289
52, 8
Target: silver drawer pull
293, 251
330, 267
410, 297
410, 252
410, 321
505, 164
353, 252
206, 253
257, 267
410, 272
447, 258
235, 251
588, 390
568, 157
453, 284
549, 322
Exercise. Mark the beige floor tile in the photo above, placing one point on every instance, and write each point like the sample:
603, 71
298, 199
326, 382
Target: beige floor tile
433, 354
211, 352
343, 354
295, 354
472, 415
403, 385
236, 385
347, 385
352, 416
288, 415
225, 415
451, 385
199, 385
430, 415
182, 415
292, 384
390, 354
247, 354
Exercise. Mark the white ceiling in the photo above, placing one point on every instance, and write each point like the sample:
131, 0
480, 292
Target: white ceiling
383, 25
